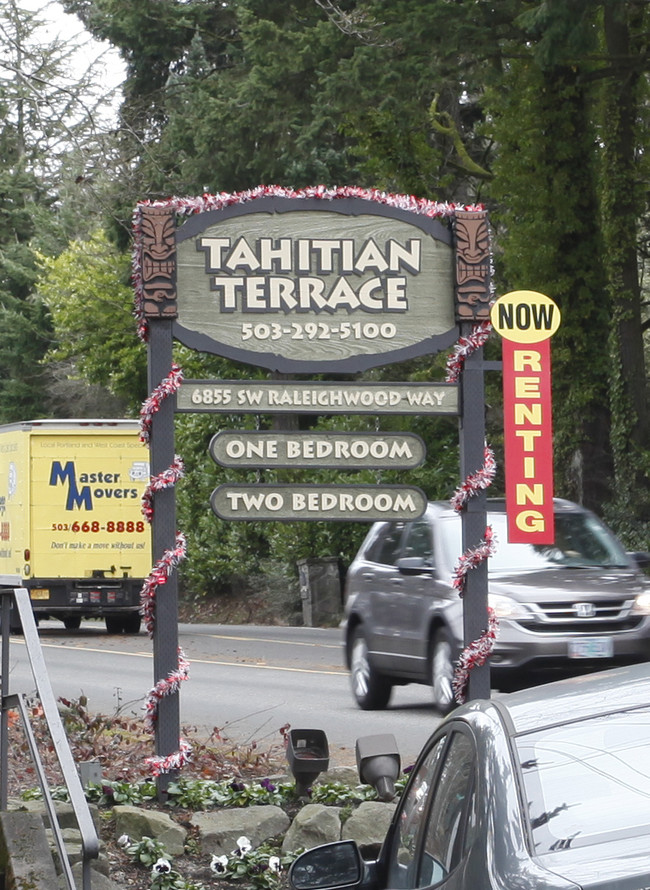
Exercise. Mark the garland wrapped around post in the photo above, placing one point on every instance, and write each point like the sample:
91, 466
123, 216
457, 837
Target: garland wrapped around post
477, 651
159, 575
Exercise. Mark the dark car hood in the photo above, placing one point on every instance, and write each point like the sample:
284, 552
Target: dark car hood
623, 864
568, 583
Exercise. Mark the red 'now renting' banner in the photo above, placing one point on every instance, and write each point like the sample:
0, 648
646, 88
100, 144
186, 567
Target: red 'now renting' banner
528, 432
526, 320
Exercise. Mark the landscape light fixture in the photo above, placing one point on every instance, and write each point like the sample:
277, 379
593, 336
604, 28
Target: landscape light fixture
308, 756
378, 763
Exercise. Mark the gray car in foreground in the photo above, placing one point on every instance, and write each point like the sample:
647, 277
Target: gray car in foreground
580, 603
544, 788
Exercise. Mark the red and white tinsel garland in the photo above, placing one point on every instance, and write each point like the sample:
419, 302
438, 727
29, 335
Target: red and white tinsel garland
478, 651
201, 204
167, 479
478, 481
174, 761
158, 576
465, 347
474, 655
168, 685
166, 388
472, 558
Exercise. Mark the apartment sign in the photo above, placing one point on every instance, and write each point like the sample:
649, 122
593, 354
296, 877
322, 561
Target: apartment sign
315, 397
312, 286
322, 450
278, 502
526, 320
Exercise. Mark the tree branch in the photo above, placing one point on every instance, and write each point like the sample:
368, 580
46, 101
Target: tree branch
443, 123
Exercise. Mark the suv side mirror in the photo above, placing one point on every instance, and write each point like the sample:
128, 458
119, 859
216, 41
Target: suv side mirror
414, 565
641, 558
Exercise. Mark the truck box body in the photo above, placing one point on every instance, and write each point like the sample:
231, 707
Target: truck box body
71, 524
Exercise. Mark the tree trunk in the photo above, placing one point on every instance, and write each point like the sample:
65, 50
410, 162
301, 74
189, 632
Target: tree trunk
620, 204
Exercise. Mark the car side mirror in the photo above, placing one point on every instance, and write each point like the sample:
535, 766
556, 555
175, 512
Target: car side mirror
414, 565
641, 558
329, 867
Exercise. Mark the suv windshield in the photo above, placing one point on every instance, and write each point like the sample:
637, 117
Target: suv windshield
581, 541
587, 782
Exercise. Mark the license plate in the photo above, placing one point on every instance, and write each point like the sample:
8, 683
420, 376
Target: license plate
39, 593
596, 647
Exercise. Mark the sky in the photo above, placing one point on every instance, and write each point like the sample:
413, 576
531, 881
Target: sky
69, 28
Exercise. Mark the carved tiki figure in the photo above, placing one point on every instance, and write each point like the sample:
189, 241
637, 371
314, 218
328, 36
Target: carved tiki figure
472, 265
158, 262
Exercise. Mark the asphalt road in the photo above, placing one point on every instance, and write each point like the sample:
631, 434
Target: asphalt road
246, 680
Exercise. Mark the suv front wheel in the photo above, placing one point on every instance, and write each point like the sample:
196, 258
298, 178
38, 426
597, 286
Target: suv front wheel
371, 689
441, 671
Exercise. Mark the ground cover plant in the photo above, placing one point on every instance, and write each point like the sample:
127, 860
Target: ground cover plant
220, 774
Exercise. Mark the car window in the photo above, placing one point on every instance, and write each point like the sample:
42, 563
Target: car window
432, 830
419, 541
402, 866
588, 781
581, 541
446, 835
385, 548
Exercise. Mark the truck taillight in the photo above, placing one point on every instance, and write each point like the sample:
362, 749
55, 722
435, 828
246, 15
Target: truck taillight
27, 554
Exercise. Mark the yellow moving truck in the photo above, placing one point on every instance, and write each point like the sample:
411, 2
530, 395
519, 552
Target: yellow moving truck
71, 524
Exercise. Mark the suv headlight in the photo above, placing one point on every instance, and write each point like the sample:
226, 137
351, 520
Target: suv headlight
642, 603
505, 607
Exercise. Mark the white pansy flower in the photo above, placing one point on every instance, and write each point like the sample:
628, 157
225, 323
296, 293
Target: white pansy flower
123, 841
244, 846
274, 864
219, 865
162, 867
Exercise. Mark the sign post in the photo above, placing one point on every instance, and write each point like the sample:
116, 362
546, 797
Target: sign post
312, 282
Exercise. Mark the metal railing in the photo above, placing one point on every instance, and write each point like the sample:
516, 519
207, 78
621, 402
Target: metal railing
10, 589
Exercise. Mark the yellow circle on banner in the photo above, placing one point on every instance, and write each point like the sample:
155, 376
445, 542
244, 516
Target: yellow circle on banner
525, 316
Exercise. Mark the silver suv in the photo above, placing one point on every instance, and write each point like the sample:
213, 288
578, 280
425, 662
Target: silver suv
577, 604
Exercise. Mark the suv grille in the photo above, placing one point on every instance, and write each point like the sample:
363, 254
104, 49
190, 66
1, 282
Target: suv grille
609, 616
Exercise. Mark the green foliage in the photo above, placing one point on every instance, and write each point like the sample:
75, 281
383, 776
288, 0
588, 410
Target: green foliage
529, 114
197, 794
204, 794
261, 867
47, 114
546, 216
146, 851
24, 319
86, 289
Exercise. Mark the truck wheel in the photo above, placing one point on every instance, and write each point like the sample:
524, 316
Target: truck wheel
371, 689
114, 624
72, 622
441, 671
131, 623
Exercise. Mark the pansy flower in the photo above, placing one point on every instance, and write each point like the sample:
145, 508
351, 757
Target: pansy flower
244, 846
219, 865
162, 867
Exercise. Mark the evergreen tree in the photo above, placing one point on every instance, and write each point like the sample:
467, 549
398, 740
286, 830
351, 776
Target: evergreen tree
45, 115
537, 108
